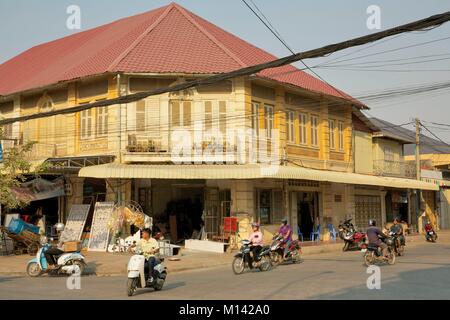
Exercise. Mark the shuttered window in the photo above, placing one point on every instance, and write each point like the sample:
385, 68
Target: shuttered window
140, 116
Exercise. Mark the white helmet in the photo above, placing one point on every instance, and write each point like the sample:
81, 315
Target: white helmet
59, 226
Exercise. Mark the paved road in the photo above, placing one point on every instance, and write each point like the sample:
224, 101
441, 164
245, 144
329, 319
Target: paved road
424, 273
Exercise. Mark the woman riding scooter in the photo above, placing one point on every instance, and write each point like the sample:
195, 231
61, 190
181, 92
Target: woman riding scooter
149, 247
256, 239
53, 252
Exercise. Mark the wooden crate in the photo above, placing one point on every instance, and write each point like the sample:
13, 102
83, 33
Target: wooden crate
72, 246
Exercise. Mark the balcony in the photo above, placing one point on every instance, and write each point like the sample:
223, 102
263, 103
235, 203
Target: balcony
144, 148
399, 169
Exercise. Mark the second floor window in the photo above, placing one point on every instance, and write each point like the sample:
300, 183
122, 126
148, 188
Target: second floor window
216, 117
255, 118
181, 114
290, 130
341, 135
315, 130
302, 121
268, 120
86, 124
331, 133
7, 131
140, 116
102, 121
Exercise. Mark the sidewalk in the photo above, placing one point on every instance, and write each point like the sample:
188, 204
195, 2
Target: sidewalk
107, 264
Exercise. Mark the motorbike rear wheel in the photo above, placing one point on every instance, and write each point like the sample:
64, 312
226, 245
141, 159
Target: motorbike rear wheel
296, 257
368, 258
131, 286
33, 270
81, 265
265, 263
238, 265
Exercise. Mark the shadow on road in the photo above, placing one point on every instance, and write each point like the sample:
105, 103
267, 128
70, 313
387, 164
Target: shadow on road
432, 283
6, 279
167, 287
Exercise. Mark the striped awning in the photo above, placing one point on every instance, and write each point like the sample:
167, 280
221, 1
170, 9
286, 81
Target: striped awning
245, 172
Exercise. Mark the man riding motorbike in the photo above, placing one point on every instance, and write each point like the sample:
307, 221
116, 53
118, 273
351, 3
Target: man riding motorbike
286, 231
256, 239
149, 247
397, 229
374, 235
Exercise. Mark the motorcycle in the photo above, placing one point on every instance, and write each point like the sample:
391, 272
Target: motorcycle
244, 260
373, 254
277, 251
398, 247
352, 238
67, 263
136, 274
431, 236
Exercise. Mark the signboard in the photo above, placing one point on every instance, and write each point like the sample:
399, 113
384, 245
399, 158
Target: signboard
40, 189
98, 241
75, 223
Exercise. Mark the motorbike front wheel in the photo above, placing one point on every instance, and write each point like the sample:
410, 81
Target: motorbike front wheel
346, 246
33, 269
391, 257
238, 265
131, 286
276, 258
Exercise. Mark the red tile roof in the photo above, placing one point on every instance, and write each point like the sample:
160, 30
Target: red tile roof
165, 40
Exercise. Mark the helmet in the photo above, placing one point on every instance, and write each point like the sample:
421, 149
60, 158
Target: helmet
255, 225
59, 226
372, 223
284, 220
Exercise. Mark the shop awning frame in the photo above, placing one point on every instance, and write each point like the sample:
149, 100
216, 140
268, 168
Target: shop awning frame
245, 172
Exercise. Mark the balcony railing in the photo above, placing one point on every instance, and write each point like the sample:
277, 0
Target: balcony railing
401, 169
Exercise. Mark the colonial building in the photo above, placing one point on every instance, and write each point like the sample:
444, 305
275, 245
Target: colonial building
276, 144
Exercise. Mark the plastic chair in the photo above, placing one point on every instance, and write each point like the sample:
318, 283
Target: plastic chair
333, 232
315, 235
300, 234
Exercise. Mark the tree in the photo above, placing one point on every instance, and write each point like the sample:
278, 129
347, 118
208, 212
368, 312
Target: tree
13, 171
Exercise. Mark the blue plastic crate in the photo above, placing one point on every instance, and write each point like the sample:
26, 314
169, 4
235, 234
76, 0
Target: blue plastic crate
18, 225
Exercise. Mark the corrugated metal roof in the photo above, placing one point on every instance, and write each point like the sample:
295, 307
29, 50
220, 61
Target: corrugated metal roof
166, 40
243, 172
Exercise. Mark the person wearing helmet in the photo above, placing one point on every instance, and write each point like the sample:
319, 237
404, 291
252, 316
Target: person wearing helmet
397, 229
286, 231
55, 251
374, 235
256, 239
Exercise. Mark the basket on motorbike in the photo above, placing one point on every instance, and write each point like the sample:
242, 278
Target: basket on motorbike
72, 246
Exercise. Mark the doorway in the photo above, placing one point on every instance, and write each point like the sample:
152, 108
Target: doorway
307, 212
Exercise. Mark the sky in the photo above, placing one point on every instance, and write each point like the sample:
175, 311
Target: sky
304, 24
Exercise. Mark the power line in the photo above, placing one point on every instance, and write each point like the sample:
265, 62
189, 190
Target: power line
423, 24
434, 135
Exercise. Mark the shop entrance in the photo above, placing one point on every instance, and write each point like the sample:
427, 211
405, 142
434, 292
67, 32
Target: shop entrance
307, 211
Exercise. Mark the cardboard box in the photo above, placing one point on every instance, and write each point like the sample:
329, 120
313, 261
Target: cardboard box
72, 246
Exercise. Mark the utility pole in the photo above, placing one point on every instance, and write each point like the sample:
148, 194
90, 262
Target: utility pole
418, 175
418, 168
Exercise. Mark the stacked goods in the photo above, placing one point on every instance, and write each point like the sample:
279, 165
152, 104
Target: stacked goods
122, 215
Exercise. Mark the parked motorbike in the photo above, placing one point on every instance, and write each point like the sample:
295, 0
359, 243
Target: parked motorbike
67, 263
352, 238
277, 251
431, 236
244, 261
373, 254
136, 274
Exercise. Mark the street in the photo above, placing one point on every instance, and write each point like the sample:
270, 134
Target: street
423, 273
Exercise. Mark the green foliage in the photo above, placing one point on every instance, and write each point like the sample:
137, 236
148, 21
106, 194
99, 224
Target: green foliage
13, 171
